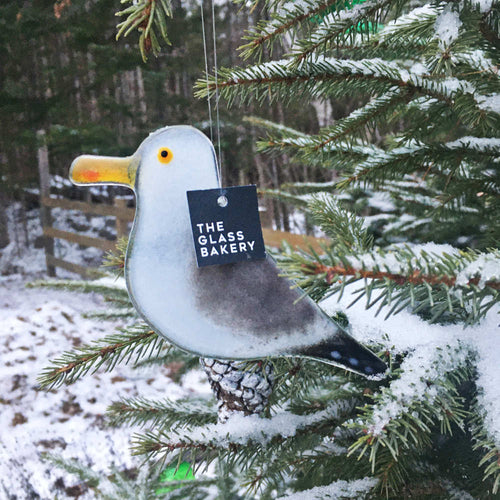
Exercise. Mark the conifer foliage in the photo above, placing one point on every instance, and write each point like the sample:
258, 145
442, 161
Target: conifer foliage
412, 211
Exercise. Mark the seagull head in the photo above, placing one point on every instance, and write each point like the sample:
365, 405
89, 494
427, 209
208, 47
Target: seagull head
171, 160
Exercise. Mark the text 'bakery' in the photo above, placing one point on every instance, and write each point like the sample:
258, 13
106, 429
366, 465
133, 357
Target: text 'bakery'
214, 240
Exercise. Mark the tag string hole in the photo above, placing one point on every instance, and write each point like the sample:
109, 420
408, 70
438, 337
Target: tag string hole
222, 201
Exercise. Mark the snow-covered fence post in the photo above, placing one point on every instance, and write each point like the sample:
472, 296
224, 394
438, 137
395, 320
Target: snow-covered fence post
45, 215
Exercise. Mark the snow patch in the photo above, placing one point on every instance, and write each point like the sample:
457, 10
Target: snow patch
357, 488
447, 26
240, 429
489, 102
486, 266
39, 325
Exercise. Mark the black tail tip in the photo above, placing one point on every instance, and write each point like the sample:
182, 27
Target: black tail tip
347, 353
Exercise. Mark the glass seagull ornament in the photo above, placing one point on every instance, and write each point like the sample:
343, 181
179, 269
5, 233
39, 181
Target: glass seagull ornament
235, 311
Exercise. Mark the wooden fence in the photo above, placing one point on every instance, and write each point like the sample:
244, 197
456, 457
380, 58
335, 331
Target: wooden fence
122, 214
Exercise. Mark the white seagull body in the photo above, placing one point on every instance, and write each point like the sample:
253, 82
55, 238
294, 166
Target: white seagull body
235, 311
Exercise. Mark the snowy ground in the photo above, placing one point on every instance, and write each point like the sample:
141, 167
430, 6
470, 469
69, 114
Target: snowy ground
38, 325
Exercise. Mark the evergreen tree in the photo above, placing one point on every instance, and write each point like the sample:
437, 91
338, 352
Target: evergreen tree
412, 213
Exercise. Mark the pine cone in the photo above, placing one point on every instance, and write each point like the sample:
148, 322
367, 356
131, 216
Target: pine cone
238, 390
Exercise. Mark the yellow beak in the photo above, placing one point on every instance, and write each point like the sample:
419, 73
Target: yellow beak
88, 169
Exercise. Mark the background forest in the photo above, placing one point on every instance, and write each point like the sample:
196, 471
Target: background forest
62, 71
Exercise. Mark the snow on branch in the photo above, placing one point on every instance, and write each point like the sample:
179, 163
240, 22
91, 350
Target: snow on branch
447, 26
489, 102
293, 145
289, 16
478, 144
328, 76
240, 430
352, 123
140, 411
415, 153
357, 488
408, 25
411, 277
406, 266
338, 24
477, 60
423, 377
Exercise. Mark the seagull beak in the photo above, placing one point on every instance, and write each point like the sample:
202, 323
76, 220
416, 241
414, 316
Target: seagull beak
88, 169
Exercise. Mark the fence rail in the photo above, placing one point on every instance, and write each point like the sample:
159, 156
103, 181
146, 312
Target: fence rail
123, 215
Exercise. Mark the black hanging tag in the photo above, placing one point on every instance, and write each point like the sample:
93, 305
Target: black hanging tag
226, 225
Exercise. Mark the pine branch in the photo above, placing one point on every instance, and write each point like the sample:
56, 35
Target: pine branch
288, 17
132, 343
115, 260
228, 438
110, 288
164, 413
110, 314
340, 155
416, 278
406, 159
347, 229
325, 77
403, 414
148, 17
415, 27
344, 129
487, 446
491, 457
338, 25
270, 126
403, 279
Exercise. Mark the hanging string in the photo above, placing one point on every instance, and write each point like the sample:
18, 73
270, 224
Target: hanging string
219, 165
222, 200
206, 70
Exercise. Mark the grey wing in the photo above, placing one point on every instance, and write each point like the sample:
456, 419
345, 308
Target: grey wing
252, 296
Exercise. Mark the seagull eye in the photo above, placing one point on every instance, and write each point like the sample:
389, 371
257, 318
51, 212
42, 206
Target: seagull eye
165, 155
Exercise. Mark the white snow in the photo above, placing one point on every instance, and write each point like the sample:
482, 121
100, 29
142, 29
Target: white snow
477, 59
487, 345
39, 325
402, 22
419, 69
447, 25
483, 144
381, 201
489, 102
387, 261
357, 488
433, 350
240, 429
486, 266
484, 5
